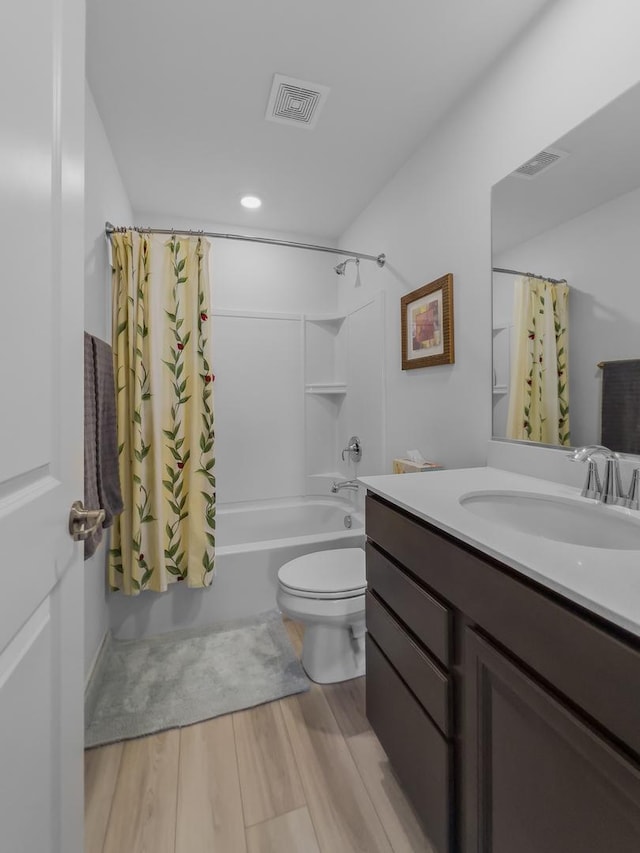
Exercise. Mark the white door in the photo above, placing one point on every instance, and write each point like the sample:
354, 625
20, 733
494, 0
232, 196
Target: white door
41, 324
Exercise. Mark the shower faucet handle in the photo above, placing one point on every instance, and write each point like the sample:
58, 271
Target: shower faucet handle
353, 449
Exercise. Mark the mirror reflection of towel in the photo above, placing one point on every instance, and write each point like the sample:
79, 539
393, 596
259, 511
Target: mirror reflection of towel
101, 474
621, 405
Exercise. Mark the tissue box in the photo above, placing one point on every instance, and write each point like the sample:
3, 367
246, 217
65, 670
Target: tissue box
406, 466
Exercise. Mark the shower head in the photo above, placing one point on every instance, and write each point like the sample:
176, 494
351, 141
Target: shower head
340, 268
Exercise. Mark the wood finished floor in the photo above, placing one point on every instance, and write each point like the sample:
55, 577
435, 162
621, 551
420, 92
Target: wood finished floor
305, 774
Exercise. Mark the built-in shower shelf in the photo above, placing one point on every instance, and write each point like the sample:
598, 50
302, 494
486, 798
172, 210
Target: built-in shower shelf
326, 319
499, 389
326, 388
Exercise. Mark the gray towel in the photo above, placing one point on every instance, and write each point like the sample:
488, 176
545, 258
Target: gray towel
91, 499
101, 475
621, 405
108, 468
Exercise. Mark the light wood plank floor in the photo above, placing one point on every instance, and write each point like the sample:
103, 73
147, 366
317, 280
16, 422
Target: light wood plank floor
305, 774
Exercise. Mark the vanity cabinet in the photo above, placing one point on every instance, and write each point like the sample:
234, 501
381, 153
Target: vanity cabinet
510, 715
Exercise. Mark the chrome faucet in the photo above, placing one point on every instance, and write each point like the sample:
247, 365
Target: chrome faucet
344, 484
610, 490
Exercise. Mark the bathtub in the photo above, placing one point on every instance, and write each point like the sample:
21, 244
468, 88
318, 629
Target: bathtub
252, 541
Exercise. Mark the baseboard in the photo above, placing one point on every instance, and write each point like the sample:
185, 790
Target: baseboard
93, 676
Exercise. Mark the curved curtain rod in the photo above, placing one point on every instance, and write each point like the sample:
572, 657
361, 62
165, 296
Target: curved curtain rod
531, 275
379, 259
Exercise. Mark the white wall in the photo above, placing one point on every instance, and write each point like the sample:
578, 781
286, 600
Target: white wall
434, 216
259, 407
599, 255
105, 198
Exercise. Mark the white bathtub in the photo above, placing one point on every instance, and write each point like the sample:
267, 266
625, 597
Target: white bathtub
265, 524
252, 541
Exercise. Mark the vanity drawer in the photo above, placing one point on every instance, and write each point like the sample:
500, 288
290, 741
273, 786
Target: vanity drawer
420, 756
411, 543
424, 678
429, 620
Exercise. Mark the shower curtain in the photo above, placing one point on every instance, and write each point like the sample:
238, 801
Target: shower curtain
164, 379
539, 386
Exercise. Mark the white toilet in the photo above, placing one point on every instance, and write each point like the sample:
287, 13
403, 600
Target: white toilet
325, 590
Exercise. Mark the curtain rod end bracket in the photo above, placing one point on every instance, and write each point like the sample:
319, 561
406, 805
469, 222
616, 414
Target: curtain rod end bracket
381, 260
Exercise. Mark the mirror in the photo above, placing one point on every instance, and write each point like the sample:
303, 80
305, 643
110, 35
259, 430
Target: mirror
576, 218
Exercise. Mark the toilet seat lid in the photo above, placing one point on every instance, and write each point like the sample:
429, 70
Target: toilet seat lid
338, 572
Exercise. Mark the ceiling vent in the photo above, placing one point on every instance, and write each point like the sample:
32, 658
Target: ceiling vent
295, 102
540, 163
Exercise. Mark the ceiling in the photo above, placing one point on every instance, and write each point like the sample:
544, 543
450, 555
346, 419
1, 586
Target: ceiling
182, 89
602, 163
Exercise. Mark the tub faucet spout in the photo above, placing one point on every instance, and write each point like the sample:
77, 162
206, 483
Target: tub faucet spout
344, 484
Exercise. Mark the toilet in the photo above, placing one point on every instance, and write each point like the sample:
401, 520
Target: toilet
325, 591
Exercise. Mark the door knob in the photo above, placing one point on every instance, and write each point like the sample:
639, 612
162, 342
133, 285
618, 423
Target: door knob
84, 522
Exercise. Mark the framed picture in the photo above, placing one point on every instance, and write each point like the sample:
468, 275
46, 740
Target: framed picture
427, 324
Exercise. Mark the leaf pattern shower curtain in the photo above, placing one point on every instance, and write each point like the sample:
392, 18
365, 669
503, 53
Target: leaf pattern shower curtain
539, 387
162, 361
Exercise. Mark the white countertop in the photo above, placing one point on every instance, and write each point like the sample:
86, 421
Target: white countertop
604, 581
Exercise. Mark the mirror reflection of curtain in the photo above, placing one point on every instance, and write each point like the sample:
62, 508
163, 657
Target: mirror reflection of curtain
539, 387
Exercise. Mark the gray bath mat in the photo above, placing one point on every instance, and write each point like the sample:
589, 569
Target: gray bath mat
178, 679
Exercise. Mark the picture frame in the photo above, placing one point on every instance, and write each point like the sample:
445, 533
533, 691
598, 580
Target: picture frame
427, 325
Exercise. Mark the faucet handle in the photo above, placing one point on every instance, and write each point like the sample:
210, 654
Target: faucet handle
592, 486
612, 485
353, 449
633, 497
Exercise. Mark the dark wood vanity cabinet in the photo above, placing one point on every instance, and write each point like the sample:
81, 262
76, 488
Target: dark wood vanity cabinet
511, 717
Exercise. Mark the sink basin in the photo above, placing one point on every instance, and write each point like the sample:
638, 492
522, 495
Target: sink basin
576, 522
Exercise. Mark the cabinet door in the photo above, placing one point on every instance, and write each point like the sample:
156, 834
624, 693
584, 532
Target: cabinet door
537, 779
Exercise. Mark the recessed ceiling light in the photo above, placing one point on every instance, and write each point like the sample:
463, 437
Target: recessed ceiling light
250, 201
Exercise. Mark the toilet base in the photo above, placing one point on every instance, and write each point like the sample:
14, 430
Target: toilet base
332, 653
334, 622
